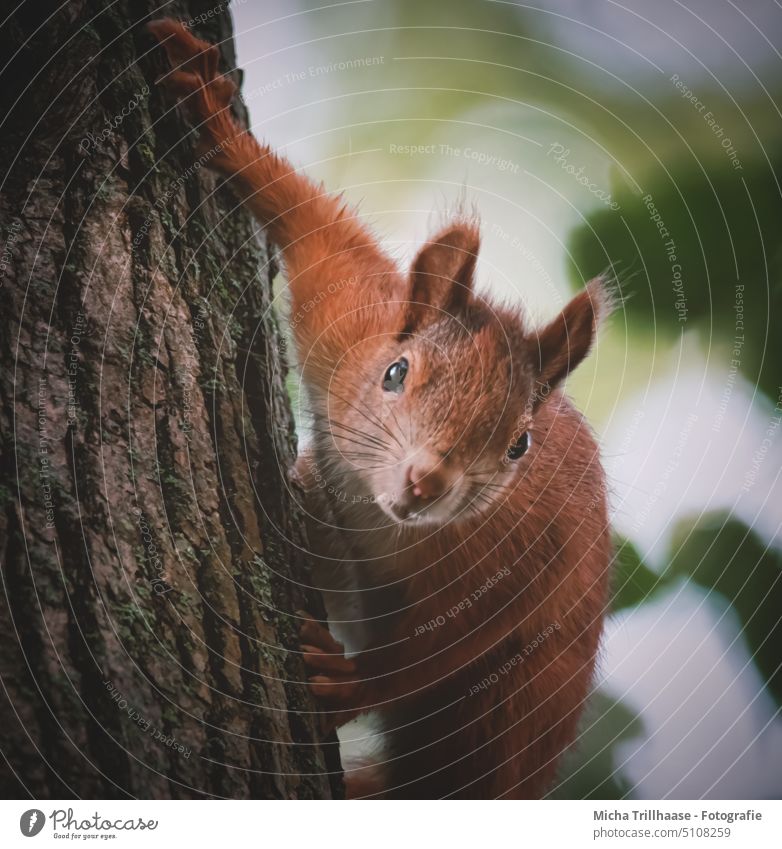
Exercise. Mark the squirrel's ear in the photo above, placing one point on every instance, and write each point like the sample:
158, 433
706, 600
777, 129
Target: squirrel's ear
441, 276
564, 342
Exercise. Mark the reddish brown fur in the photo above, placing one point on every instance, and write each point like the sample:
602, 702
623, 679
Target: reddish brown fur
463, 719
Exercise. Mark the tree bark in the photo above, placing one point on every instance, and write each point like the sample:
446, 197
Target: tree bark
151, 549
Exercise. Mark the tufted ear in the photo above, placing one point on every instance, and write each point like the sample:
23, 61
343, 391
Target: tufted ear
441, 276
564, 342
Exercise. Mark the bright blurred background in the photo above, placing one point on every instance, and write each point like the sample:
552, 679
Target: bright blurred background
631, 137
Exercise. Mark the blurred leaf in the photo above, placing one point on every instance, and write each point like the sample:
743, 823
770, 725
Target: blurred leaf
631, 581
720, 229
587, 770
724, 555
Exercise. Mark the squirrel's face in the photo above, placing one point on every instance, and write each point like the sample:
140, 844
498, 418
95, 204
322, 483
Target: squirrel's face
445, 416
434, 421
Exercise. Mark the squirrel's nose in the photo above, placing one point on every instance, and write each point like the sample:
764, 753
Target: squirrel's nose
426, 481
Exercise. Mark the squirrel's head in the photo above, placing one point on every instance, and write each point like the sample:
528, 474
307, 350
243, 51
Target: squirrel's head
434, 420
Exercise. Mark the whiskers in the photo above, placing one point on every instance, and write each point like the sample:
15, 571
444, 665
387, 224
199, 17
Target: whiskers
366, 442
368, 416
484, 494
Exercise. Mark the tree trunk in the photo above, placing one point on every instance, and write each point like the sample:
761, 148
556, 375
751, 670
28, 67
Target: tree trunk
151, 550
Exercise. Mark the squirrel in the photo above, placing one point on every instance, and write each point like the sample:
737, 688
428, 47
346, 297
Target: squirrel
456, 499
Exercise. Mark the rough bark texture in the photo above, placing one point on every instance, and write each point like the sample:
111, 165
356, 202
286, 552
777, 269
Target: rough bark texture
150, 549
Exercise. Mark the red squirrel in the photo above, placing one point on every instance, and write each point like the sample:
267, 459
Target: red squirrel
456, 500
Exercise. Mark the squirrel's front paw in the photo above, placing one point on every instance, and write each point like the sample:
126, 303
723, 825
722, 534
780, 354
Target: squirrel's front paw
334, 680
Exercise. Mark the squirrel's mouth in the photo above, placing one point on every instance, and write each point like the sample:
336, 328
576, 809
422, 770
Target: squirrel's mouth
412, 517
439, 511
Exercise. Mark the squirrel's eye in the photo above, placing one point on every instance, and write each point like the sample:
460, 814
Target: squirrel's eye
520, 446
395, 375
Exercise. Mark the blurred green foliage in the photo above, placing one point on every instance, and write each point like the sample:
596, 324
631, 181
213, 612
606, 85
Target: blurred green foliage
589, 770
723, 229
631, 581
722, 555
